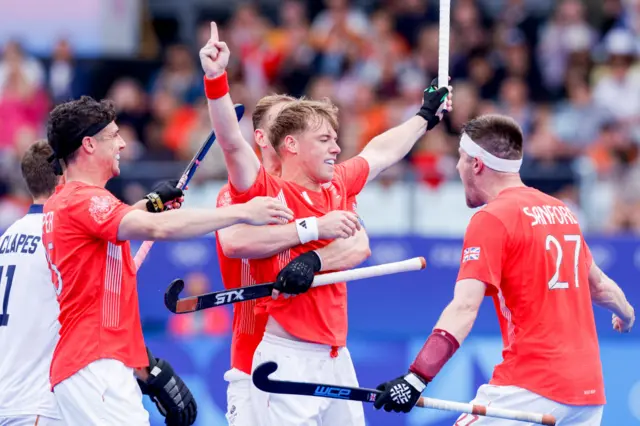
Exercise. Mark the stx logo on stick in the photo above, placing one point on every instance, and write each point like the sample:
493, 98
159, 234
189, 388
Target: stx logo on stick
229, 296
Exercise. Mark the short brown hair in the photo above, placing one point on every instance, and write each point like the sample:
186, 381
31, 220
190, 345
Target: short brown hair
300, 116
500, 135
36, 170
68, 121
264, 105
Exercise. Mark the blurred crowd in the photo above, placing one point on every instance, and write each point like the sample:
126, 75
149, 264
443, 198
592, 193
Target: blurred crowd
567, 74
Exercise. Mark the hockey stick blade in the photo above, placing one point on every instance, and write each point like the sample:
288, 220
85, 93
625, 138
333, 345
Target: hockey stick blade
172, 293
261, 380
241, 294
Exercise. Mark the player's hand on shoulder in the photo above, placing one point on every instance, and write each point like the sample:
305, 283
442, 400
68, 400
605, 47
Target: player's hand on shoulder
623, 326
214, 56
297, 276
165, 196
401, 394
265, 211
338, 224
435, 102
170, 394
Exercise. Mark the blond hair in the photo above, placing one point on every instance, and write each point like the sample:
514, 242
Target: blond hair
301, 116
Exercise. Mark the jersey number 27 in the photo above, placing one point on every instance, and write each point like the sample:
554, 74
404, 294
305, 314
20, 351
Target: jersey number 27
551, 241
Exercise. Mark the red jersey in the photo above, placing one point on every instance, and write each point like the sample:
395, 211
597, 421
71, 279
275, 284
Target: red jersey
319, 315
95, 280
247, 328
527, 247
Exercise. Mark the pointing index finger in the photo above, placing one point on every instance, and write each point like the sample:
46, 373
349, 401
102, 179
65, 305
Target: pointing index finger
214, 32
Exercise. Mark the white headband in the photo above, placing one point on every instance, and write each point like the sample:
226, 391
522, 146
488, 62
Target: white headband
490, 160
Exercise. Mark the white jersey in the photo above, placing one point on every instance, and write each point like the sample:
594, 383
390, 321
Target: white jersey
28, 321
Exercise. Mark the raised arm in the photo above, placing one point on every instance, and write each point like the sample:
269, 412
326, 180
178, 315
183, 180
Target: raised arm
189, 223
242, 162
388, 148
606, 293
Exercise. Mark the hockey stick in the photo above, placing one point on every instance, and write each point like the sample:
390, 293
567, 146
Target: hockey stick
262, 381
443, 43
226, 297
188, 173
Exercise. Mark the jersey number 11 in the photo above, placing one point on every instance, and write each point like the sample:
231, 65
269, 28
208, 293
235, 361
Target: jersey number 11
10, 272
554, 282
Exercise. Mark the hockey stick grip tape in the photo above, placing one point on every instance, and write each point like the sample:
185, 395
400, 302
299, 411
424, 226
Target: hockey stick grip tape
413, 264
482, 410
443, 43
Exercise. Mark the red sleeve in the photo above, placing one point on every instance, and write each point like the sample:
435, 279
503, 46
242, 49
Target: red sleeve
354, 173
482, 251
258, 189
98, 213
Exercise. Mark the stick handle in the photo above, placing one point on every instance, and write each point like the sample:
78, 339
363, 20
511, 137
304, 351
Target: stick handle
413, 264
482, 410
443, 43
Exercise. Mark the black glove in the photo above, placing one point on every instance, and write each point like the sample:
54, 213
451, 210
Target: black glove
162, 194
433, 101
167, 390
401, 394
297, 276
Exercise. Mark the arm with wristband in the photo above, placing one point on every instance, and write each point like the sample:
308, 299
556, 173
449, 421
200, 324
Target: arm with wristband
402, 393
258, 242
339, 255
242, 162
476, 278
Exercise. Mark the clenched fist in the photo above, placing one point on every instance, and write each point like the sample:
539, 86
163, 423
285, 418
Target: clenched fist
214, 56
338, 224
621, 325
265, 211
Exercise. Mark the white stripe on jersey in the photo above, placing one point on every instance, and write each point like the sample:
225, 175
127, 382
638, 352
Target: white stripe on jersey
28, 339
112, 287
506, 313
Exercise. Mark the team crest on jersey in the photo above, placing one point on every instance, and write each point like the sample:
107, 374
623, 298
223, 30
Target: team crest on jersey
100, 207
471, 253
226, 199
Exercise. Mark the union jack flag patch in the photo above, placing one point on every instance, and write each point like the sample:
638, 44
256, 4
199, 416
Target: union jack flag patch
471, 253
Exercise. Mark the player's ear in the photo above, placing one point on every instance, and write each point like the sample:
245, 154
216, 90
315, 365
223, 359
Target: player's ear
290, 144
88, 144
477, 166
260, 137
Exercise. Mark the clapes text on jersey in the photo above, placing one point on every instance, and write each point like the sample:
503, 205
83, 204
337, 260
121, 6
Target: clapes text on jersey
19, 243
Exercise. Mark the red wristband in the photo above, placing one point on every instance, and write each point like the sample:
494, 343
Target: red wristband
217, 87
435, 353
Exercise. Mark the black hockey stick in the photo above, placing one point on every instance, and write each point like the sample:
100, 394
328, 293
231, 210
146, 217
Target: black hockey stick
262, 381
225, 297
200, 155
